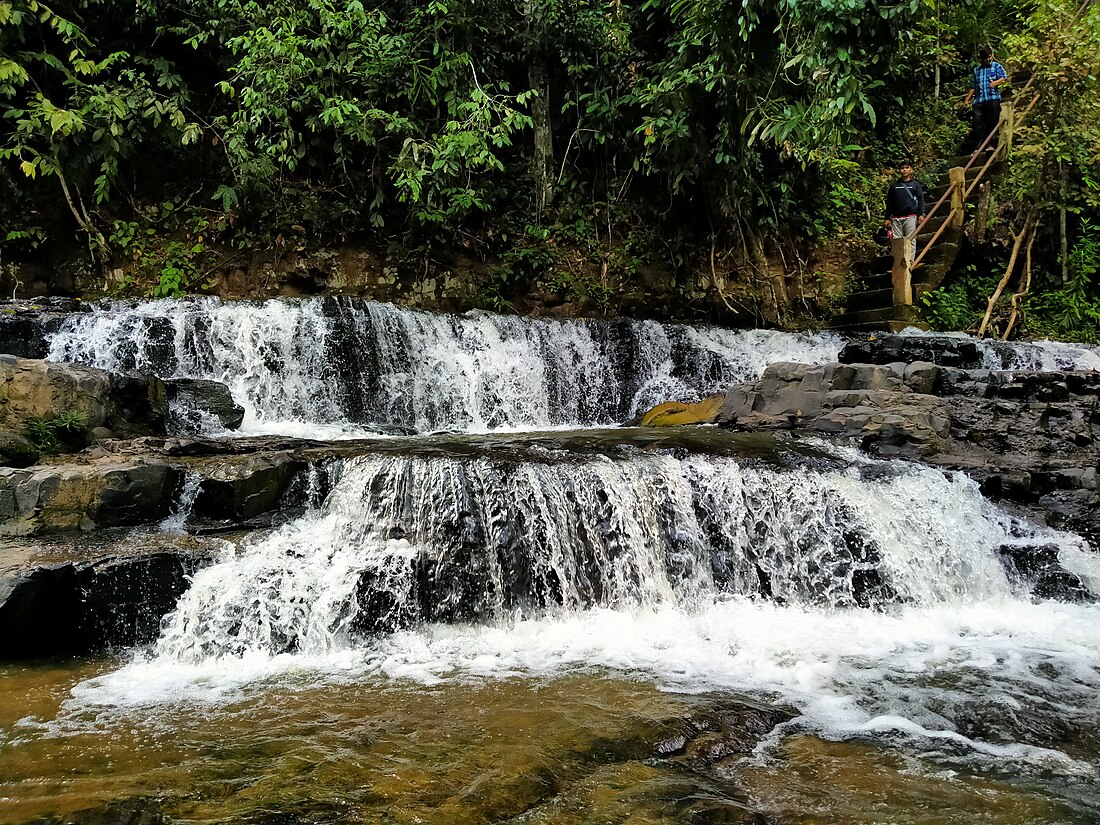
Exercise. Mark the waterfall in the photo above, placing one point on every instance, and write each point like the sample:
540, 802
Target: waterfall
339, 362
176, 521
404, 540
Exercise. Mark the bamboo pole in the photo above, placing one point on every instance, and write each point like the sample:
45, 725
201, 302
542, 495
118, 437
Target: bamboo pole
1025, 283
1016, 244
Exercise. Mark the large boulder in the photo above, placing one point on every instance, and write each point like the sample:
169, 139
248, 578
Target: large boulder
868, 403
194, 403
126, 404
78, 607
51, 499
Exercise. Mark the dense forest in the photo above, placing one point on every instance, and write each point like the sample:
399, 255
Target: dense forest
727, 157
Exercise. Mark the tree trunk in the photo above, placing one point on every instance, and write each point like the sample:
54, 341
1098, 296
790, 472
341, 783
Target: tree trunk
544, 147
538, 75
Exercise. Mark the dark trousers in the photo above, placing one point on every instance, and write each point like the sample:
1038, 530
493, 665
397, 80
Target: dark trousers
986, 116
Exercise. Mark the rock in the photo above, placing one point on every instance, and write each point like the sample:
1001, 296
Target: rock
943, 350
674, 412
868, 403
1040, 569
26, 326
76, 608
129, 404
193, 401
70, 497
247, 488
16, 451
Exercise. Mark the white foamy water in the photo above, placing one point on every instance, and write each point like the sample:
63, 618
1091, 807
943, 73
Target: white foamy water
699, 573
335, 367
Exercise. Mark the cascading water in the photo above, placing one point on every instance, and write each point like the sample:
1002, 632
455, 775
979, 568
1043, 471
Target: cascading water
297, 366
176, 521
1037, 356
402, 540
868, 596
842, 590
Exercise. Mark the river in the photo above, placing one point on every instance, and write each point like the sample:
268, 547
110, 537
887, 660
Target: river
517, 614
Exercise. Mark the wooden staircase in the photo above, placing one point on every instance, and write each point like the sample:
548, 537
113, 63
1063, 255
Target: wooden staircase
871, 306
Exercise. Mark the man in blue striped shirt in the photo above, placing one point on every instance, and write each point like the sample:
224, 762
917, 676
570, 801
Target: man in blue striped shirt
985, 82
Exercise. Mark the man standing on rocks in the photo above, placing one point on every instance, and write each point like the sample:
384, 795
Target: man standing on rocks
904, 209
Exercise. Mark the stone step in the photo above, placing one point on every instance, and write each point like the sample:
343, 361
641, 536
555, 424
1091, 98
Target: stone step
875, 327
943, 252
930, 275
933, 193
881, 298
884, 317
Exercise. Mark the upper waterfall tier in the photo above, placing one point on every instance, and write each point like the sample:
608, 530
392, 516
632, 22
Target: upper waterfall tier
336, 361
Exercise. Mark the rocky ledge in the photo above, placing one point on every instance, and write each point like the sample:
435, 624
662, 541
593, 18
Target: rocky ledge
46, 405
1029, 438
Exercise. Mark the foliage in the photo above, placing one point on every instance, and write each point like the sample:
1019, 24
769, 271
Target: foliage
1072, 310
959, 305
63, 431
74, 115
661, 128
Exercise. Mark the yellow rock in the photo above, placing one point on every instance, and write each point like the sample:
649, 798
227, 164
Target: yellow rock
672, 413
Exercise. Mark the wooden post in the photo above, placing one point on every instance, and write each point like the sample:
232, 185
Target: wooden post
957, 176
1008, 125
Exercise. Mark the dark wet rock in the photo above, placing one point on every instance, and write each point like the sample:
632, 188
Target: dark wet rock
192, 401
26, 326
944, 350
1040, 570
75, 608
247, 488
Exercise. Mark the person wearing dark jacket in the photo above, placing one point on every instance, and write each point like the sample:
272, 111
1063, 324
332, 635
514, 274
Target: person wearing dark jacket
904, 209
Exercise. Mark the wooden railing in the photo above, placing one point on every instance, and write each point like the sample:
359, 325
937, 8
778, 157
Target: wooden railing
957, 190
